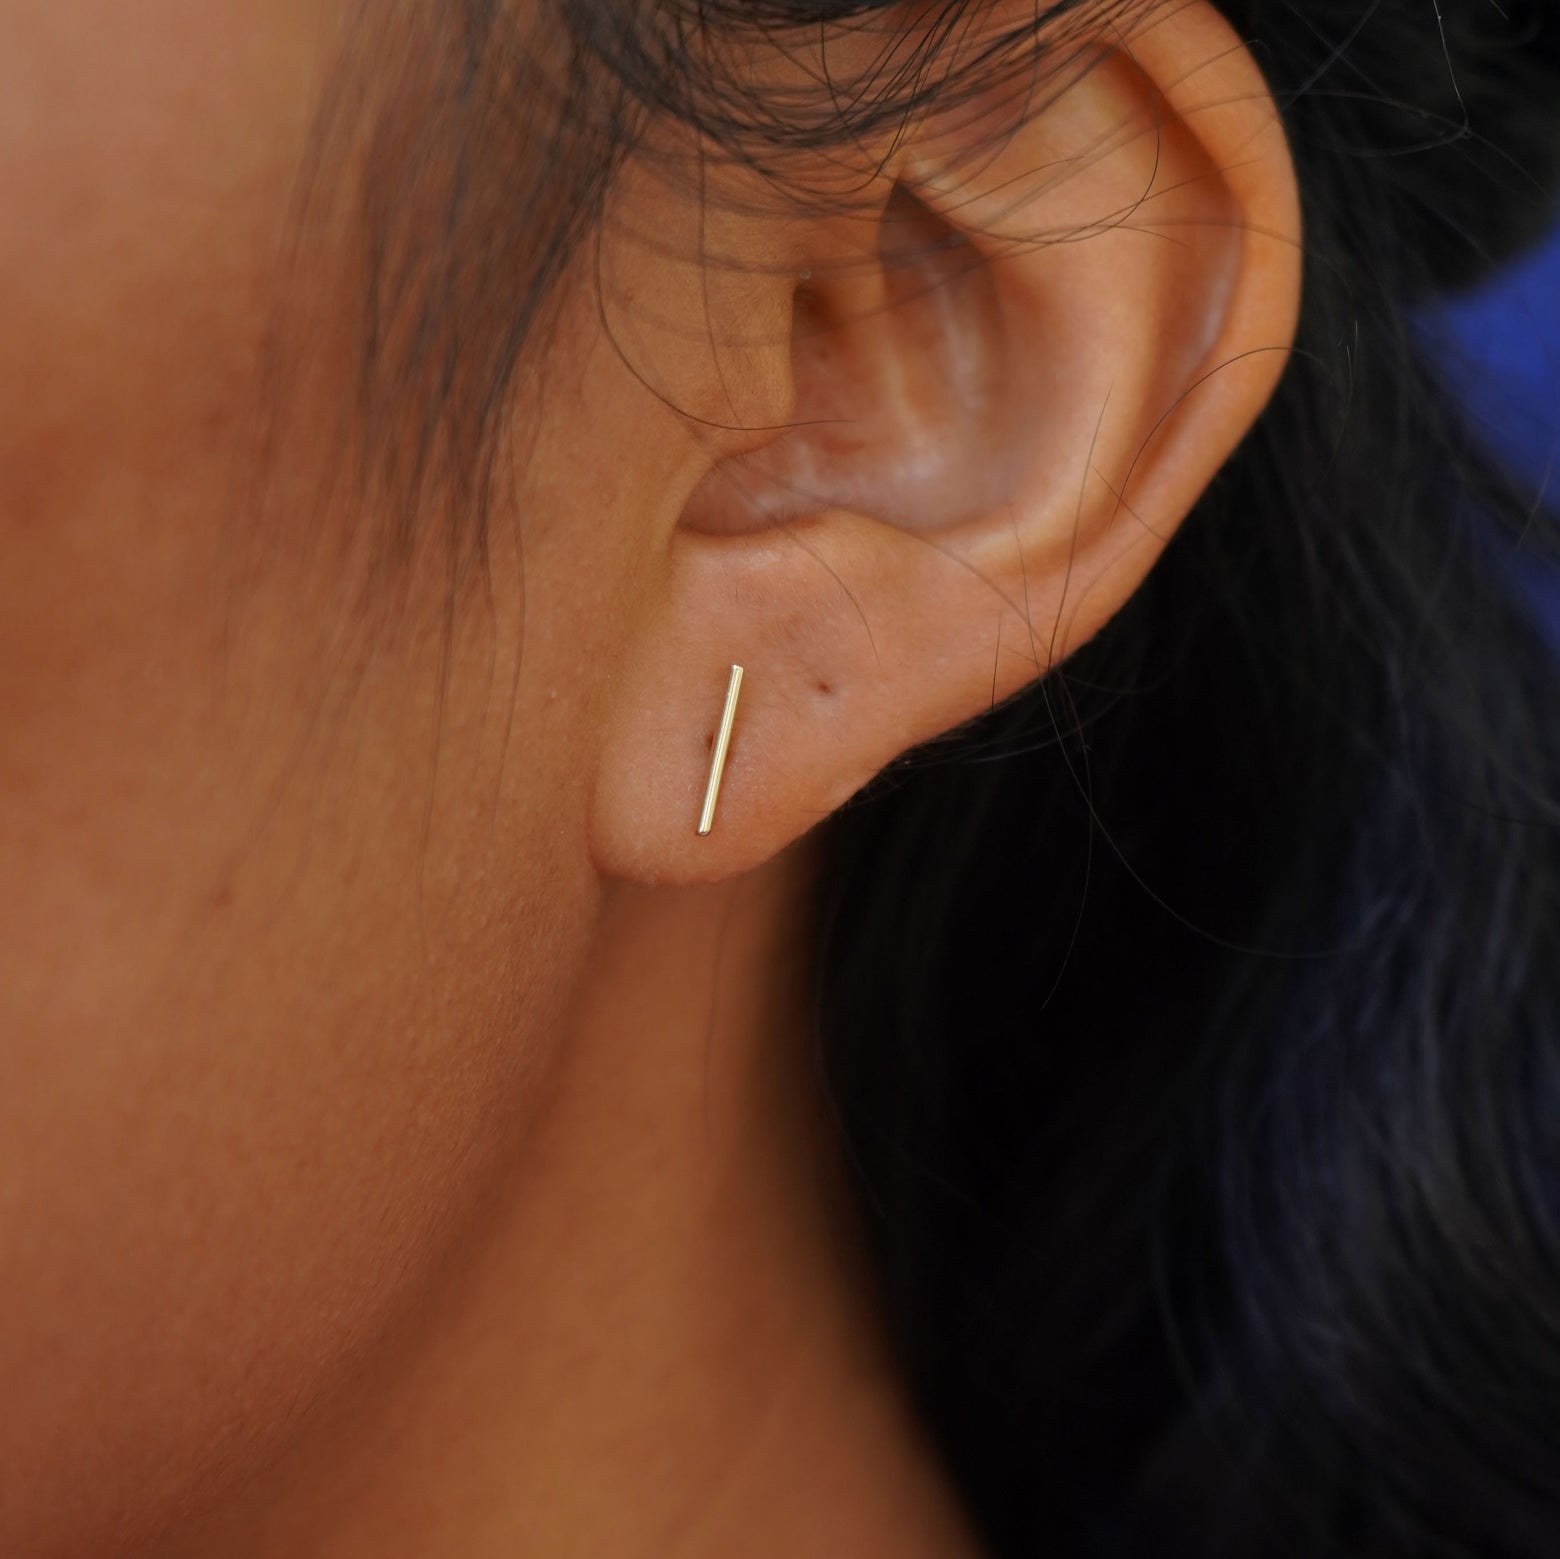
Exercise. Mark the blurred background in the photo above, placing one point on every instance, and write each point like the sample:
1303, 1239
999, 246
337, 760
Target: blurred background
1502, 343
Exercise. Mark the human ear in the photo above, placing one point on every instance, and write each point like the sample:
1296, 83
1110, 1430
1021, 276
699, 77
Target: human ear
1012, 367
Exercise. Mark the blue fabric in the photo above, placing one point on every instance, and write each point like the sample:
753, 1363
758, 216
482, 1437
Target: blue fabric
1503, 347
1507, 336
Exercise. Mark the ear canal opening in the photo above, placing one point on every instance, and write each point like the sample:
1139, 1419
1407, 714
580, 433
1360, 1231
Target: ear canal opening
918, 249
911, 252
902, 385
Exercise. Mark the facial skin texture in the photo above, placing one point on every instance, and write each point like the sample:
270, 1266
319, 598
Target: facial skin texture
406, 1140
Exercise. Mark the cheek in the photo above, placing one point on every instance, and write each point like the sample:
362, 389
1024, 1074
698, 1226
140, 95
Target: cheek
286, 930
259, 1064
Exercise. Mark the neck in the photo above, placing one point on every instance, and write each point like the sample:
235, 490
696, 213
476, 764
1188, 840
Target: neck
664, 1342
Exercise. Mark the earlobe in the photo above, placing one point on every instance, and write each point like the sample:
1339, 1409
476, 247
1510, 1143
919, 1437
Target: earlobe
1015, 368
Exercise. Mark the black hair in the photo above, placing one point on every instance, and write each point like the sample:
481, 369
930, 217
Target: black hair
1192, 1020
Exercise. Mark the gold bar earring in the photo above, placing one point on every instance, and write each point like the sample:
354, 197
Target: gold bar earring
718, 757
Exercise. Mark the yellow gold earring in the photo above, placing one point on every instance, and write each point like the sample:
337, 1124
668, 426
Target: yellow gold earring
718, 757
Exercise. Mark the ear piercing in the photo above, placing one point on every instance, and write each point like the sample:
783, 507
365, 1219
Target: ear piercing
718, 757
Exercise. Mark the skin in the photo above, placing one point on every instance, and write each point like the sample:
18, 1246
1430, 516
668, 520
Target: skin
408, 1137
